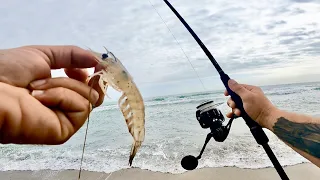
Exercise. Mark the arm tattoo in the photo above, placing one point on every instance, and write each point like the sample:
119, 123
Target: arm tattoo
304, 136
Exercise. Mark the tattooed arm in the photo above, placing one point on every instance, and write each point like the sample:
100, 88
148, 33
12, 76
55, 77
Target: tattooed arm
300, 132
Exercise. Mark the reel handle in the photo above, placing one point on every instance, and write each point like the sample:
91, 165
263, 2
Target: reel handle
255, 128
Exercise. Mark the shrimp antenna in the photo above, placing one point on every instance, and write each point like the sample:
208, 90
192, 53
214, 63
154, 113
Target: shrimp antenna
106, 49
89, 48
256, 130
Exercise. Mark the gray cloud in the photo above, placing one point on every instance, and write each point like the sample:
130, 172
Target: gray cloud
245, 37
297, 11
290, 40
298, 32
274, 24
303, 1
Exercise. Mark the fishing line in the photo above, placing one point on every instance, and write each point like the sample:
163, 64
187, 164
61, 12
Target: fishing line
178, 44
85, 136
84, 144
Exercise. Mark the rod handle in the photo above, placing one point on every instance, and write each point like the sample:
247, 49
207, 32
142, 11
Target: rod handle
255, 128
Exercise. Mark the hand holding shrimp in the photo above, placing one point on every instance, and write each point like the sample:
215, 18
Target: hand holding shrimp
38, 109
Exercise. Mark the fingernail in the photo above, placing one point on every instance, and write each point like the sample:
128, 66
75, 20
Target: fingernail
38, 83
37, 92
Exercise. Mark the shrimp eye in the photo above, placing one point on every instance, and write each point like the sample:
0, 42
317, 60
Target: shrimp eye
104, 56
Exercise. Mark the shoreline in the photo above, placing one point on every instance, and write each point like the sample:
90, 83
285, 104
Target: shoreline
300, 171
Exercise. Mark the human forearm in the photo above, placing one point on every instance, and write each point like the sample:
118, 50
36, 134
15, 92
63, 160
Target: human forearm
301, 132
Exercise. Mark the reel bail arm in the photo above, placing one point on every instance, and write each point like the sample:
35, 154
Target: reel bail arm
219, 135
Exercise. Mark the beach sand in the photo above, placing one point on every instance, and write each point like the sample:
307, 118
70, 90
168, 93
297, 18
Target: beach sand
304, 171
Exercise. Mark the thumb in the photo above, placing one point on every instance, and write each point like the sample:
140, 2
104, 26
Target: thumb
77, 74
237, 88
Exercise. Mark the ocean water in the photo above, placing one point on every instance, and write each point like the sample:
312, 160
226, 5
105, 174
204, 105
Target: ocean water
172, 132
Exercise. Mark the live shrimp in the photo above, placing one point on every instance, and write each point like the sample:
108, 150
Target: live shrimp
130, 103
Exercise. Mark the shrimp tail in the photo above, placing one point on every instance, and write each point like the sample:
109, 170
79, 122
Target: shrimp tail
134, 149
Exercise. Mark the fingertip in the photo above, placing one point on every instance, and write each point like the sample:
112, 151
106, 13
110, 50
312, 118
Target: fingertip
37, 93
237, 112
229, 114
77, 73
226, 93
231, 103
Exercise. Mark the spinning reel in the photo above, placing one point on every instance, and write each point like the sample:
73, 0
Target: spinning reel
208, 116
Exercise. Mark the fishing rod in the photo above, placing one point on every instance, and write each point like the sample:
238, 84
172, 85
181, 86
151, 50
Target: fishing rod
256, 130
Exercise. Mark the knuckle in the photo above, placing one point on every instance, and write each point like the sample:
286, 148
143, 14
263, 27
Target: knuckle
60, 90
245, 97
238, 88
64, 132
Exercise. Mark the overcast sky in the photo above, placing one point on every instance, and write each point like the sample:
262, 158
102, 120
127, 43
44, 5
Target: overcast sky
257, 42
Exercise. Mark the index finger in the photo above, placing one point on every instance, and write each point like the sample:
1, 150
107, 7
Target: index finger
248, 87
66, 56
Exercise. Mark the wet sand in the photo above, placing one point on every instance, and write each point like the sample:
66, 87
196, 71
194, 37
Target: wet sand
304, 171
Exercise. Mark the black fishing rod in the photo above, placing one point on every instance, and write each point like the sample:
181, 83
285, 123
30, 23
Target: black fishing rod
256, 130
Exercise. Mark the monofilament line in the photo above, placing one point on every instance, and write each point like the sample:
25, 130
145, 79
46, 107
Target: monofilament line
85, 136
84, 144
178, 44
